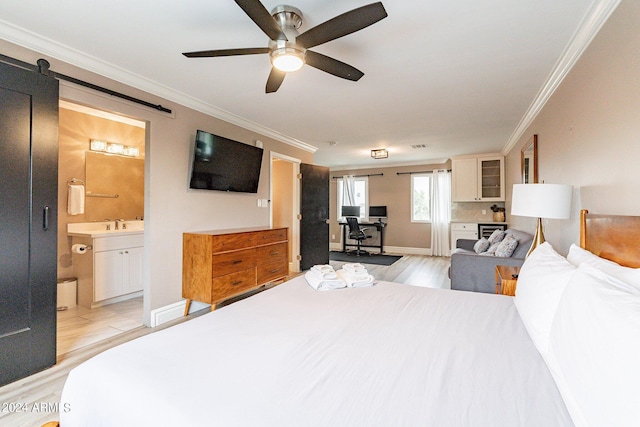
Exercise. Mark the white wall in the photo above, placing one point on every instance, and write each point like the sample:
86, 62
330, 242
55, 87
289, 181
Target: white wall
589, 131
170, 207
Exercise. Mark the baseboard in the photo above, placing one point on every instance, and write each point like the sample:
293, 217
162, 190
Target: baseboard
173, 311
400, 250
403, 250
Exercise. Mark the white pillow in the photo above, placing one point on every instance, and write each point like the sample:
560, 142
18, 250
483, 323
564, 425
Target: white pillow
541, 282
594, 349
629, 275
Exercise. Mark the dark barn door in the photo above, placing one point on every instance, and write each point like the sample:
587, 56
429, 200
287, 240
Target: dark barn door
28, 221
314, 207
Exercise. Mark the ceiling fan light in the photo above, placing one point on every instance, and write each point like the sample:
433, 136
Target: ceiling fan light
287, 60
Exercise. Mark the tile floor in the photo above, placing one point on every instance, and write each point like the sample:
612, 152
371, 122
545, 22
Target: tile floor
80, 326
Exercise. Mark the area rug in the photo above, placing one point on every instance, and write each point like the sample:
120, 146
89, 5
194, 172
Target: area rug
364, 259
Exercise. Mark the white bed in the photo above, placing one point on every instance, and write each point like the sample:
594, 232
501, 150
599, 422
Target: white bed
387, 355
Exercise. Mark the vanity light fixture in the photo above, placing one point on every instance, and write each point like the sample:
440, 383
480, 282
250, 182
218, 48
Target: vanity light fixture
381, 153
97, 145
113, 148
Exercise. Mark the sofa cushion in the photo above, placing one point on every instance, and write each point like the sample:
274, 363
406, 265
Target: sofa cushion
481, 246
506, 247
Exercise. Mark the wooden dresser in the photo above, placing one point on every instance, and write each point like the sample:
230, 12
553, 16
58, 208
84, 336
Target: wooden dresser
221, 264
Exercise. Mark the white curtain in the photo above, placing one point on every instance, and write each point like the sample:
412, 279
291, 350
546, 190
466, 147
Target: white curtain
440, 212
349, 190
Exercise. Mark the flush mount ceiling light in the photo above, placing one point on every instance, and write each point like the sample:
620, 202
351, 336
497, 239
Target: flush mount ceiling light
381, 153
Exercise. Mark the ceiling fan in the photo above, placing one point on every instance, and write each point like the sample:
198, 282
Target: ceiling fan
288, 50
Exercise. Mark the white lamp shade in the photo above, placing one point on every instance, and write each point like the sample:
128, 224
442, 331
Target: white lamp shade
542, 200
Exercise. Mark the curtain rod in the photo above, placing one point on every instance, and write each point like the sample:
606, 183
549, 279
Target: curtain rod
360, 176
43, 68
411, 173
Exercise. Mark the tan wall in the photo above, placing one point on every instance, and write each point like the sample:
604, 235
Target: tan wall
394, 191
75, 132
282, 176
589, 131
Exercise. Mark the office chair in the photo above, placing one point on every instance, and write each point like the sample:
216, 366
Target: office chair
357, 233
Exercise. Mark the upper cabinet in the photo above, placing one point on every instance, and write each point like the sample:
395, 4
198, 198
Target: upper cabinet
478, 178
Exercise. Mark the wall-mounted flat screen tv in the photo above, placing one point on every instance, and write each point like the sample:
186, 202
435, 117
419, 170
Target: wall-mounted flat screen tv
225, 165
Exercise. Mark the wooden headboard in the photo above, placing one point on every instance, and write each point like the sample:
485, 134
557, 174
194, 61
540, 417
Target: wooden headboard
613, 237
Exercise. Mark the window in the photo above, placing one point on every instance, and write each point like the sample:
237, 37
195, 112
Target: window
421, 198
361, 195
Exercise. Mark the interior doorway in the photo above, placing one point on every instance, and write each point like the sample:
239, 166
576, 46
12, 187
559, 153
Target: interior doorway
88, 317
285, 202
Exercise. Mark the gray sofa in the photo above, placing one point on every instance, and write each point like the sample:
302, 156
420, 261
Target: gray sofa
470, 271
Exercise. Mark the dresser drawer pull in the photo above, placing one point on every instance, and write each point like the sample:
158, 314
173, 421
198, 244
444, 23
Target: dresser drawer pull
238, 261
275, 270
237, 282
275, 252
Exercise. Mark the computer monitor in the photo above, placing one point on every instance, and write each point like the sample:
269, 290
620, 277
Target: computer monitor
350, 211
377, 211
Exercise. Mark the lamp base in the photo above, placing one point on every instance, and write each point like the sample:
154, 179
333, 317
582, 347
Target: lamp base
538, 238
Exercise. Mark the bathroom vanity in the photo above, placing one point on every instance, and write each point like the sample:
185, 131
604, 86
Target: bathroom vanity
110, 269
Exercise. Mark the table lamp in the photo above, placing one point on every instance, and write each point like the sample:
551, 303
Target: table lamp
549, 201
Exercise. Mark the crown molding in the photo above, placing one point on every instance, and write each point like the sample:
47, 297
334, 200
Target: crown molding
593, 21
49, 47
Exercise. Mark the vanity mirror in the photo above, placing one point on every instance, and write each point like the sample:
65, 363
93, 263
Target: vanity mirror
114, 187
529, 161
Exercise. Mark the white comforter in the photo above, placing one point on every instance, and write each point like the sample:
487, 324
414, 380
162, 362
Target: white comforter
387, 355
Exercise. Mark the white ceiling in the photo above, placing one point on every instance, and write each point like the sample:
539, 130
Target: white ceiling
458, 76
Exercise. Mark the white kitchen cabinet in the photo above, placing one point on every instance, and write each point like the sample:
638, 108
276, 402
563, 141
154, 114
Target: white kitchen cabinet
460, 230
478, 178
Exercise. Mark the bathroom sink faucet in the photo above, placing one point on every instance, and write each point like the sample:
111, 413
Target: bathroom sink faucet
118, 221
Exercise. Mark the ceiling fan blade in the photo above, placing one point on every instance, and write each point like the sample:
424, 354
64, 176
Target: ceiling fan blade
226, 52
332, 66
263, 19
341, 25
275, 79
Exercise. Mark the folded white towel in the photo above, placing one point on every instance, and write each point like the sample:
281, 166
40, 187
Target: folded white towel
75, 200
355, 267
320, 284
324, 271
353, 281
355, 277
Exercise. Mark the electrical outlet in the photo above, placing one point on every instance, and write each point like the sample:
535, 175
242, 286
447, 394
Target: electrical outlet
333, 237
484, 211
259, 203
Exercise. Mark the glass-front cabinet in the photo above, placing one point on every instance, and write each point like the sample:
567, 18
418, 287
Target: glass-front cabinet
478, 178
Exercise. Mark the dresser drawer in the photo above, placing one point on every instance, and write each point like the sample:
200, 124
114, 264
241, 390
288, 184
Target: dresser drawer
272, 270
271, 253
232, 242
232, 262
271, 236
233, 284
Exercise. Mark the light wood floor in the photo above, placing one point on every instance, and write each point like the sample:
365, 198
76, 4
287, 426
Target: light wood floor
122, 322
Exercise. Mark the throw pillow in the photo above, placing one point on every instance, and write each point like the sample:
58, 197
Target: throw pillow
481, 246
496, 237
492, 249
506, 247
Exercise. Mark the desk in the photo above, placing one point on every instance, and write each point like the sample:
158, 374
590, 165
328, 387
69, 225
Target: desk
379, 225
